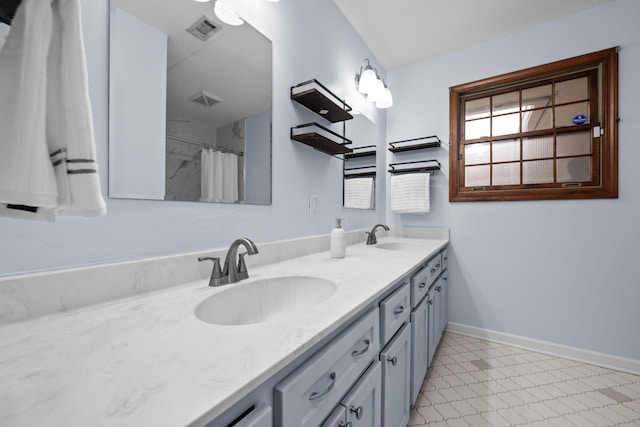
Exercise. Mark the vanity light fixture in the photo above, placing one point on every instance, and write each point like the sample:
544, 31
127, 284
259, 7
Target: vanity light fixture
226, 14
371, 85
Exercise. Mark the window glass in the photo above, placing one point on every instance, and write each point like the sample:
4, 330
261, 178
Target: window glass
506, 174
477, 153
477, 129
566, 114
572, 90
537, 172
477, 176
505, 103
506, 125
477, 109
538, 147
574, 143
537, 120
505, 151
574, 169
536, 97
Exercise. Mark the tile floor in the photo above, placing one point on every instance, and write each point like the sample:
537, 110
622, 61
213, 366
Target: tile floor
478, 383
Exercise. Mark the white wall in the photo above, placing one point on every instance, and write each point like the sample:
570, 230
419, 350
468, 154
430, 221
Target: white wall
559, 271
304, 46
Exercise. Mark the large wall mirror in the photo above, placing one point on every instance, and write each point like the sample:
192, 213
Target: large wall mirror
190, 105
359, 183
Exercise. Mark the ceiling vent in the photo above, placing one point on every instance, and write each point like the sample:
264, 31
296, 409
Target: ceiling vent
205, 98
203, 28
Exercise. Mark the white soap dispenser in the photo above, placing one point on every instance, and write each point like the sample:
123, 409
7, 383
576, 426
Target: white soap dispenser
338, 245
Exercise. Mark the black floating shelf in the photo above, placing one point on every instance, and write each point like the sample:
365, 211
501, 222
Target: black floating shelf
317, 98
415, 144
8, 10
363, 171
434, 166
366, 151
321, 138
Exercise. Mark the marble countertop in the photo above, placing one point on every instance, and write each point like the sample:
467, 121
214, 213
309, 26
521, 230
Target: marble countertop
147, 360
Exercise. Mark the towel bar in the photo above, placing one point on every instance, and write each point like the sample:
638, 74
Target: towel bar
429, 169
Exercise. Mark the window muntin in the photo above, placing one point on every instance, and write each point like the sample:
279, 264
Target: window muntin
538, 132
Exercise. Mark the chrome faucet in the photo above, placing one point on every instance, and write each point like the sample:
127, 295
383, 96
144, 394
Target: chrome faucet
371, 235
232, 272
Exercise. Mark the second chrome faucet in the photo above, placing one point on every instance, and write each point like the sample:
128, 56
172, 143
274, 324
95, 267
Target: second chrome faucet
232, 272
371, 235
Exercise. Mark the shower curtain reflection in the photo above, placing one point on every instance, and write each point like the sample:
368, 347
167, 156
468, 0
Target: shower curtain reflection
219, 175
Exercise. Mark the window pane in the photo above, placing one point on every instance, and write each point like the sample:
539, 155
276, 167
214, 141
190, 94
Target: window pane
574, 169
574, 143
537, 120
506, 174
572, 90
536, 97
476, 153
567, 113
505, 125
477, 109
538, 147
476, 176
477, 129
505, 151
506, 103
537, 172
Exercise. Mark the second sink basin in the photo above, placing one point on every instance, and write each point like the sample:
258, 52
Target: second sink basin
264, 300
394, 246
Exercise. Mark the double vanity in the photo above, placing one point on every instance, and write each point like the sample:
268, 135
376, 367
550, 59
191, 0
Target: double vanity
305, 341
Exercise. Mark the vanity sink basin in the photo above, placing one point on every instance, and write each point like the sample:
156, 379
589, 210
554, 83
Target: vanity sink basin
394, 246
264, 300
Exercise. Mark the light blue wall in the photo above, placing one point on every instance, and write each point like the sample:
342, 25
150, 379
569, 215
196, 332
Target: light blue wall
559, 271
311, 39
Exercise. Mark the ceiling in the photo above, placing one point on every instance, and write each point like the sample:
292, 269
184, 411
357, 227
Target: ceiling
402, 32
233, 65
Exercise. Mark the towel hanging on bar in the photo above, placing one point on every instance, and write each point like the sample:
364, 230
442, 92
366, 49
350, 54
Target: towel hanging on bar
47, 159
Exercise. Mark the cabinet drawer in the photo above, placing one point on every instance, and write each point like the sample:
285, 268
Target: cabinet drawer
434, 267
307, 396
445, 258
419, 286
396, 371
394, 311
259, 417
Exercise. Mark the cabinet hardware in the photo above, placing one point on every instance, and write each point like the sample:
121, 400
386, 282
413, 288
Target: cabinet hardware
430, 302
358, 411
444, 278
433, 270
422, 285
438, 265
438, 288
399, 310
342, 424
356, 353
393, 360
317, 395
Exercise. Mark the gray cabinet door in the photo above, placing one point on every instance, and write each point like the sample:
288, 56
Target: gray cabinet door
431, 326
444, 299
363, 404
419, 347
437, 309
396, 379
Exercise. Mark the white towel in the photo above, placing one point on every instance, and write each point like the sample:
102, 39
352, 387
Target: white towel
44, 59
359, 193
410, 193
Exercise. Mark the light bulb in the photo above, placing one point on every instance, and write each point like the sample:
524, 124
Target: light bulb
226, 14
386, 100
367, 80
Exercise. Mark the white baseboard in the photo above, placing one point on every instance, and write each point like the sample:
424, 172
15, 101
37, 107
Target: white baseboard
604, 360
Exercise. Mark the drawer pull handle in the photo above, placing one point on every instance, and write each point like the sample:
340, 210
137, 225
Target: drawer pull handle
422, 285
438, 265
444, 278
358, 411
393, 360
399, 310
356, 353
315, 395
433, 270
438, 288
430, 302
342, 424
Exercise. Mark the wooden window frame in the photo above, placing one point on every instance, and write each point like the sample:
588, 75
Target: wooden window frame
605, 148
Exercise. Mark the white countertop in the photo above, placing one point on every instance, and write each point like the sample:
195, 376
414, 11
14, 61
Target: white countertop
147, 360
